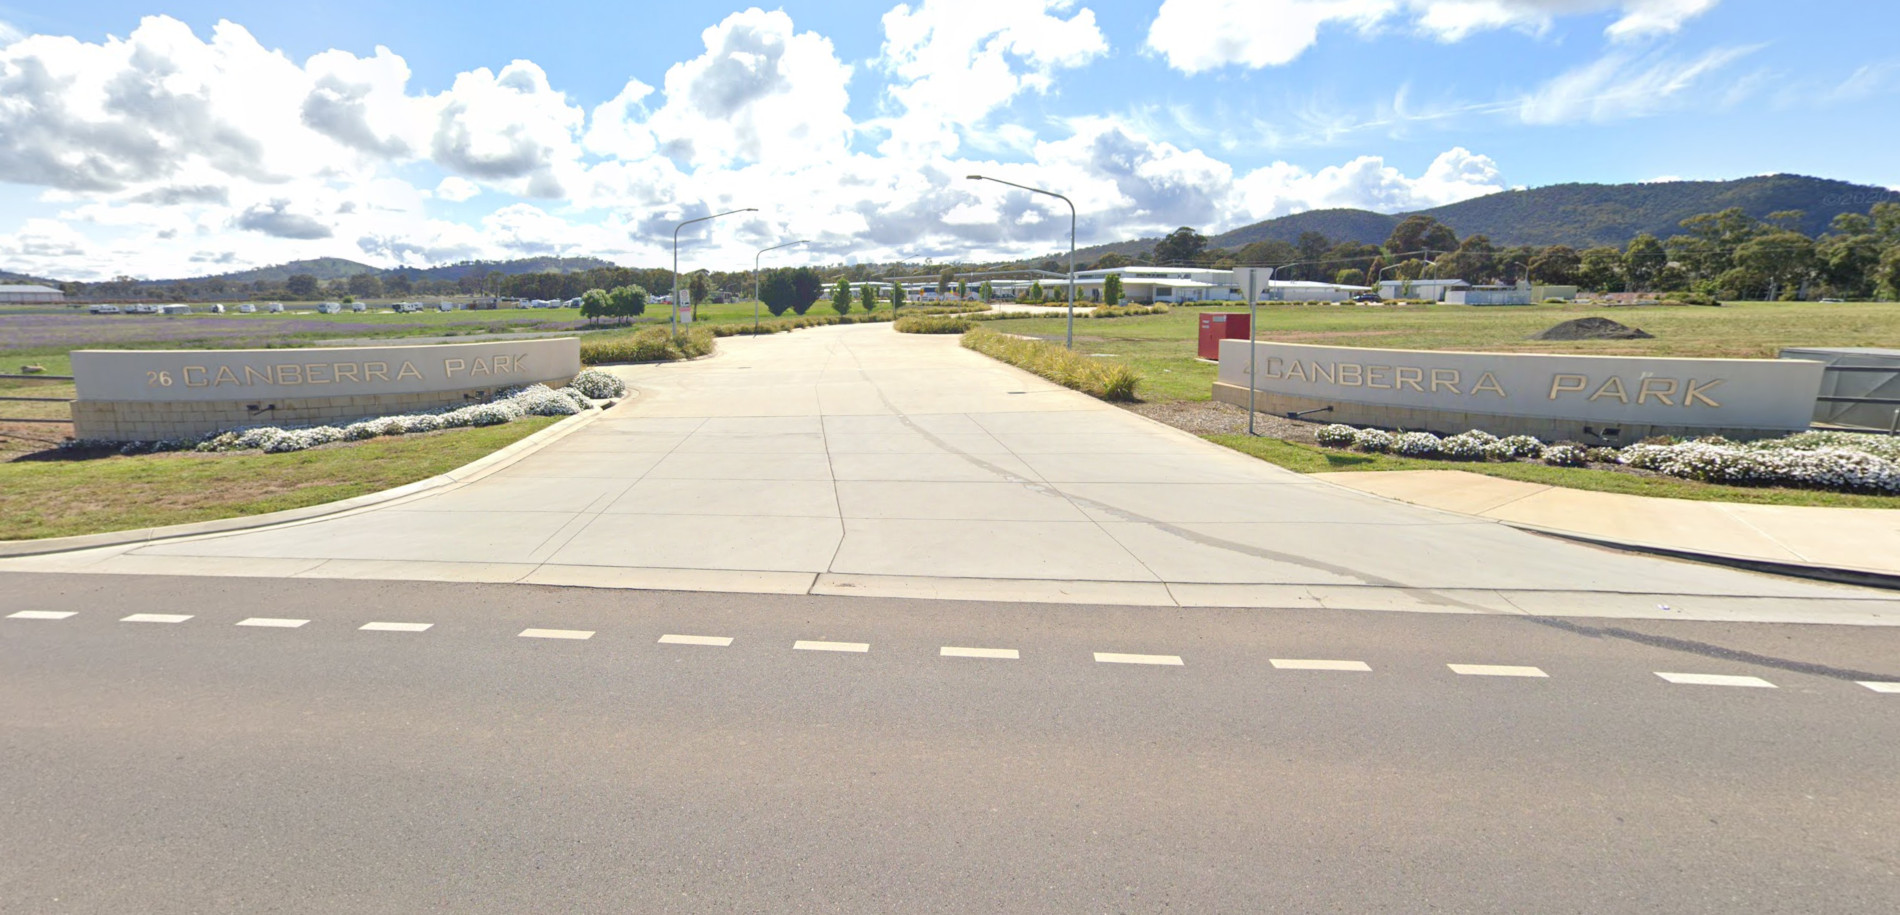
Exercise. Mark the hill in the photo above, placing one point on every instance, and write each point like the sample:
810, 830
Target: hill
323, 268
456, 271
1586, 215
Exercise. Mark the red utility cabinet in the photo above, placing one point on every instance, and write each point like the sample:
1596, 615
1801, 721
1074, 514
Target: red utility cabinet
1218, 326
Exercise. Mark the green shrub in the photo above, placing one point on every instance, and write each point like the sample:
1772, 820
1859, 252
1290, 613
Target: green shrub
1127, 311
1099, 377
651, 344
932, 324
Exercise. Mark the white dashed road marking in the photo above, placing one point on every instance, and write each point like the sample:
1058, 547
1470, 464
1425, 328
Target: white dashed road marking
271, 623
1165, 660
1495, 670
716, 641
156, 618
1715, 680
395, 627
1002, 654
557, 633
831, 646
1311, 664
1879, 686
42, 614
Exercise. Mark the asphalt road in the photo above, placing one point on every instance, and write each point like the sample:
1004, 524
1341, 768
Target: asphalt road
206, 766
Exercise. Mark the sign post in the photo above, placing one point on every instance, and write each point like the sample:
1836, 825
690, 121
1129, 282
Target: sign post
1253, 329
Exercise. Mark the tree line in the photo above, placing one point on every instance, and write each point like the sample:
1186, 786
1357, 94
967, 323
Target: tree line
1728, 254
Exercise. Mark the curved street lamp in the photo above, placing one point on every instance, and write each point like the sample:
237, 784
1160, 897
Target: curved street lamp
1036, 190
676, 259
755, 280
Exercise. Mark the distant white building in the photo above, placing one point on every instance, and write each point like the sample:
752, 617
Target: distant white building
30, 295
1196, 284
1429, 290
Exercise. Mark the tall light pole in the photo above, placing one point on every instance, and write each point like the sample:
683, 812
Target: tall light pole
676, 259
755, 280
1036, 190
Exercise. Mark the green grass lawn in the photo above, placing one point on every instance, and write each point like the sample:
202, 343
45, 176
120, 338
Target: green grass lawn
1315, 459
58, 497
1162, 347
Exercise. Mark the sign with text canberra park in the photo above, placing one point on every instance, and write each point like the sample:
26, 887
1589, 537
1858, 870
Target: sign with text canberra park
187, 375
1693, 393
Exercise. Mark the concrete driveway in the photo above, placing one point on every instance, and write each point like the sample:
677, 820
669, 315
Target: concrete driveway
859, 461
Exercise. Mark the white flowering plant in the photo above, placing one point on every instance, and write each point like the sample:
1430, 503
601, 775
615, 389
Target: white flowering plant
1417, 444
598, 384
1337, 435
1375, 441
1465, 446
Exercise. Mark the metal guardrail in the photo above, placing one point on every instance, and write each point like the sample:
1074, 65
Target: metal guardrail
26, 419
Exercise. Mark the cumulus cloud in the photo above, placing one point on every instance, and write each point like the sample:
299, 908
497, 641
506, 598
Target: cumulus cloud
507, 126
43, 241
456, 190
762, 92
1622, 85
9, 34
1199, 35
953, 63
1368, 183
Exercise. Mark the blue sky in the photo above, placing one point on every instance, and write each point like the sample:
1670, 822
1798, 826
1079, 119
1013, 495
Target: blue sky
179, 138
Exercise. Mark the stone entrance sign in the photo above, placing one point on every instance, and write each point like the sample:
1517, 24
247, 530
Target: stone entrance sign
144, 395
1584, 398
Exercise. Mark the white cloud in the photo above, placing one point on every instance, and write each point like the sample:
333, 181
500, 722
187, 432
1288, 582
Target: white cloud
1368, 183
9, 34
761, 93
1199, 35
457, 189
510, 127
1622, 85
954, 63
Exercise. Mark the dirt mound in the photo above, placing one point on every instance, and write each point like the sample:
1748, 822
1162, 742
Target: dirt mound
1593, 329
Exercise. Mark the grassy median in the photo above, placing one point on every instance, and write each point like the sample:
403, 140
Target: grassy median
53, 494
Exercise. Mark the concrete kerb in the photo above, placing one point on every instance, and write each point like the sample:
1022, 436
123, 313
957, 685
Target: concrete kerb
460, 476
1865, 578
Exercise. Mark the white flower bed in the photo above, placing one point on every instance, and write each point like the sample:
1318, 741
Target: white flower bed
1840, 461
598, 384
1416, 444
513, 404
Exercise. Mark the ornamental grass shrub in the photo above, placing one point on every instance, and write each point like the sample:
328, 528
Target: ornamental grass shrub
1126, 311
1099, 377
650, 344
932, 324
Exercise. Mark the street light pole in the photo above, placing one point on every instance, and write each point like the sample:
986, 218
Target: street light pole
676, 259
1036, 190
755, 280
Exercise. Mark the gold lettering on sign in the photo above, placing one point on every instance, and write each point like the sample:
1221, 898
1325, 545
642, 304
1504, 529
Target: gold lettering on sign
1295, 371
1357, 375
375, 371
1273, 366
481, 368
344, 370
517, 363
310, 372
451, 366
1611, 388
408, 370
1660, 388
1376, 372
200, 382
1321, 373
1445, 378
504, 364
1695, 392
1561, 384
290, 374
225, 376
1407, 376
253, 376
1488, 382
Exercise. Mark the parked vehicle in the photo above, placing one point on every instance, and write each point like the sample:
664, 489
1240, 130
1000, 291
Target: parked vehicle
105, 309
1367, 297
174, 309
358, 307
217, 308
405, 308
330, 308
247, 309
277, 308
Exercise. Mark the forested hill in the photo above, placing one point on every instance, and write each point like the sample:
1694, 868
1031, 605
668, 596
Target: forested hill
1587, 215
335, 268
